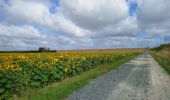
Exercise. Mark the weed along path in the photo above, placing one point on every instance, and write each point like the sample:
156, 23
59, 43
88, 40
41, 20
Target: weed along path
139, 79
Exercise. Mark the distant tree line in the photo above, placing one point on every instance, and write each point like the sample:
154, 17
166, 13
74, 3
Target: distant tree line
41, 49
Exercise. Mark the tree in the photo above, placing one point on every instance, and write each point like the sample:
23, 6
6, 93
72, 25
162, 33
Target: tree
43, 49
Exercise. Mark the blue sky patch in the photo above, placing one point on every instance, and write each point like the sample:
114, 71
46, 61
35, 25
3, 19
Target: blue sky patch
53, 9
55, 4
7, 1
133, 8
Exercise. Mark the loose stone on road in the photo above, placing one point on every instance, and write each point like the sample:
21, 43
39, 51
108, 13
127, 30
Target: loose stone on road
138, 79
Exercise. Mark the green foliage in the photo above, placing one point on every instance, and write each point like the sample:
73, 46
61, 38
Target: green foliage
61, 90
13, 82
165, 63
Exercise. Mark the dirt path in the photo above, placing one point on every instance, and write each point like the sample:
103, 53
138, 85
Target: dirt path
139, 79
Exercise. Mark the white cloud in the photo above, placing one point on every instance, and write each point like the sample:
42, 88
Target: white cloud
25, 31
81, 24
20, 36
154, 16
29, 12
27, 37
97, 18
122, 42
94, 14
66, 26
149, 14
126, 27
36, 12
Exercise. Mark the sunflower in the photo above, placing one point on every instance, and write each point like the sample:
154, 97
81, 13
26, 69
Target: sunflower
65, 69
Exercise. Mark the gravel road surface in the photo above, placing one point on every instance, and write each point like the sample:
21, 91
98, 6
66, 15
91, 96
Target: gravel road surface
139, 79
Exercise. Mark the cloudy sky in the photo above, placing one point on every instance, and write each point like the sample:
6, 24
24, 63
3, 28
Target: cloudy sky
82, 24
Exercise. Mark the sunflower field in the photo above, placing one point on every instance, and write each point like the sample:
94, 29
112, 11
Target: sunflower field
22, 71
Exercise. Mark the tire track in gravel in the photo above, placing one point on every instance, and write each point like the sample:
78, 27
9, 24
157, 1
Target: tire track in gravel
138, 79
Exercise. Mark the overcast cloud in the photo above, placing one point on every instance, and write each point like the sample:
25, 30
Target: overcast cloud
82, 24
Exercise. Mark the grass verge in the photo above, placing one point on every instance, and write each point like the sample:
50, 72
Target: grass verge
162, 55
165, 63
61, 90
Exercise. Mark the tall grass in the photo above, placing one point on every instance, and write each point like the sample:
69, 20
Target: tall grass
164, 62
162, 56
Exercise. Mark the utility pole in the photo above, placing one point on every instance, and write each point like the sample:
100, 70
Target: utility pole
165, 38
160, 41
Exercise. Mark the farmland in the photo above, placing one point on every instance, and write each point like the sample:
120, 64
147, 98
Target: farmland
23, 71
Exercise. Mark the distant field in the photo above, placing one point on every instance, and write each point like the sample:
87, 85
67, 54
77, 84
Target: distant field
22, 71
98, 50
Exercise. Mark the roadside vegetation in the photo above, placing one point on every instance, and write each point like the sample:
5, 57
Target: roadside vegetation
162, 55
20, 72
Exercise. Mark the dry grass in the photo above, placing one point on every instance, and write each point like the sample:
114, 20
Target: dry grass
163, 57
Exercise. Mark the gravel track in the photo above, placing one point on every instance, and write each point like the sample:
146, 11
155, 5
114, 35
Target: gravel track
138, 79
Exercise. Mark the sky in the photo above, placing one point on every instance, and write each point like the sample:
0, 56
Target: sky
83, 24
